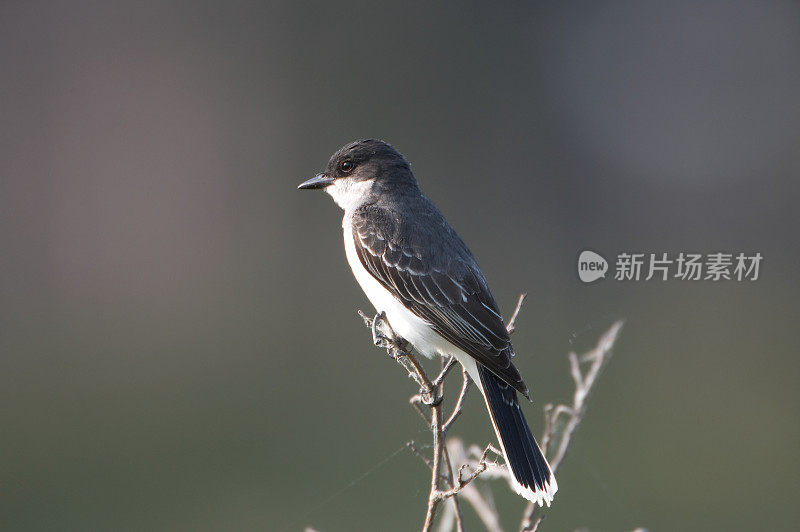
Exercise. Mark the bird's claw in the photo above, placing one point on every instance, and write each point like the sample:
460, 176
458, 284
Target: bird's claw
379, 336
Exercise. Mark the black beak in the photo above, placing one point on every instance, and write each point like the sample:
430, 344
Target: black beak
318, 181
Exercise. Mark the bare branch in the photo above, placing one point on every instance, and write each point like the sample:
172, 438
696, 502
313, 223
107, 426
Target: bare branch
433, 499
584, 382
561, 422
429, 395
599, 358
455, 506
461, 481
481, 502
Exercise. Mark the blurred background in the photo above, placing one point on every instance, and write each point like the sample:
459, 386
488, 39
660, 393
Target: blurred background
179, 344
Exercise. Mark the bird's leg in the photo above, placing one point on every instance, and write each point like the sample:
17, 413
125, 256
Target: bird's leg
382, 333
384, 336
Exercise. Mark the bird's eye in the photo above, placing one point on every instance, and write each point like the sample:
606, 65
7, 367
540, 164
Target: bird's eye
347, 166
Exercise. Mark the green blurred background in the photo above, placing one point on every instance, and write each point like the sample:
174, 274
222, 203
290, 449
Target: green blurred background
179, 348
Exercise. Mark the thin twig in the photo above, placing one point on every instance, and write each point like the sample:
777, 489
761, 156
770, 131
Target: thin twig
459, 402
446, 367
511, 327
456, 506
461, 482
481, 501
448, 465
584, 382
583, 387
429, 395
416, 401
433, 499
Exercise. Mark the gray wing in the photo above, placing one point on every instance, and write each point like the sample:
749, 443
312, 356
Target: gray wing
436, 277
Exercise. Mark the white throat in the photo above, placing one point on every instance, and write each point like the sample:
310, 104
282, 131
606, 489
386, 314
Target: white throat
349, 193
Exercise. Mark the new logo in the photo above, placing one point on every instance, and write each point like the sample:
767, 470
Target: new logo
591, 266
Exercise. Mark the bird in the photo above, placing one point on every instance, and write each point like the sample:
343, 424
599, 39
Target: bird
418, 273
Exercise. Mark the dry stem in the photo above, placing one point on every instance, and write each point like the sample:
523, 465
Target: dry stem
445, 481
584, 382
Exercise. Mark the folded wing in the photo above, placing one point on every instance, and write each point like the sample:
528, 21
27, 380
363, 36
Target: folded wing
438, 279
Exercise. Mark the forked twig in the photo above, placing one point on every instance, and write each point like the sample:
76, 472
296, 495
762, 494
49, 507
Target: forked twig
584, 383
428, 404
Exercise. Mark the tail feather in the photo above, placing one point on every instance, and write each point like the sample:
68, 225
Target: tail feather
530, 472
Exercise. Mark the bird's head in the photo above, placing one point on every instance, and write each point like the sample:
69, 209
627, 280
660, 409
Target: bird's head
361, 169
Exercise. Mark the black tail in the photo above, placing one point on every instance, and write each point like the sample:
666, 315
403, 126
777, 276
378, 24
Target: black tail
529, 469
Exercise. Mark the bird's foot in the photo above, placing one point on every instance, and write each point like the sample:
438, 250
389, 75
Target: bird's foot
384, 336
382, 333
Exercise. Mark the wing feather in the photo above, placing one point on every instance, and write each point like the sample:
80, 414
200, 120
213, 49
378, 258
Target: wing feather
440, 284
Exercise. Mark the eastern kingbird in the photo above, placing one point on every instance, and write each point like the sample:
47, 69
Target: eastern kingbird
414, 267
